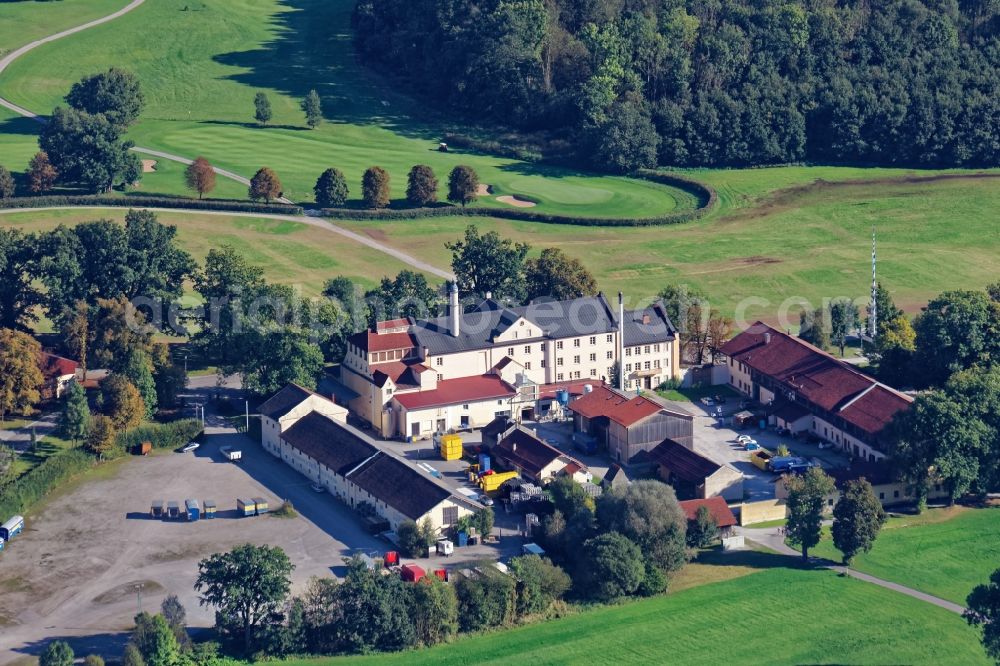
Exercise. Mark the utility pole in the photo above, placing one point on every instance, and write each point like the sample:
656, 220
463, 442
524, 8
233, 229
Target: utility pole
247, 404
138, 593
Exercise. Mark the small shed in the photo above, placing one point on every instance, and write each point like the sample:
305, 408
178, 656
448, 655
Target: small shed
743, 419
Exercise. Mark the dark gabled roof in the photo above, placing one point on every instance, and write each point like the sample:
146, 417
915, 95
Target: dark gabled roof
876, 473
815, 376
284, 401
496, 426
616, 477
398, 485
589, 315
684, 462
521, 448
328, 442
716, 506
648, 325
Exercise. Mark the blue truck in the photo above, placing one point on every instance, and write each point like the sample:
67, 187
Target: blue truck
11, 528
192, 511
780, 464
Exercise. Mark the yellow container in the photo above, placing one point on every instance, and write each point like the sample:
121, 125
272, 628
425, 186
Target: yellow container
491, 482
451, 447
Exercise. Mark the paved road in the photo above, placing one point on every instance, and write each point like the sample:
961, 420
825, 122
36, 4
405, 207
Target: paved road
771, 538
303, 219
17, 53
21, 437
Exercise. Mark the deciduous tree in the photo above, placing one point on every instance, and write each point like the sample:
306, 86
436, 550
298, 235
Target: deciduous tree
101, 435
486, 601
857, 519
331, 189
647, 512
556, 275
20, 378
412, 541
264, 185
421, 186
41, 174
955, 331
88, 150
433, 611
155, 640
806, 501
262, 108
200, 176
703, 530
122, 401
814, 327
612, 567
138, 369
6, 183
373, 611
463, 185
115, 94
843, 321
487, 263
56, 653
375, 187
313, 108
246, 586
983, 611
539, 583
406, 295
18, 270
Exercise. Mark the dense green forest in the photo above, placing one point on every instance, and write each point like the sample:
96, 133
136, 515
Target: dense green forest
632, 83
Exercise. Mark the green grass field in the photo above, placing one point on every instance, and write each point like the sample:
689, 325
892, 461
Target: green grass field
944, 552
201, 64
780, 616
27, 20
290, 252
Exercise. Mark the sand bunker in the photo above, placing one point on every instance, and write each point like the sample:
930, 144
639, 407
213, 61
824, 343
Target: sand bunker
484, 190
516, 201
148, 166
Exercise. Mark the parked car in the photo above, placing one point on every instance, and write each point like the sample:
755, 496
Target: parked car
825, 445
316, 488
485, 500
743, 439
190, 446
751, 446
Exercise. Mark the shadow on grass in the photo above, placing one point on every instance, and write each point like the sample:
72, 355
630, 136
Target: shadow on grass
313, 50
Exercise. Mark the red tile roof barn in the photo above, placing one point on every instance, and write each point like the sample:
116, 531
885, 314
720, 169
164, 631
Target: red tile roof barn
817, 377
457, 391
621, 409
633, 411
598, 402
717, 507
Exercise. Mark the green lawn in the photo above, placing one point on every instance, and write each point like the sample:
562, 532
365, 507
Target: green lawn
290, 252
780, 616
201, 64
944, 552
46, 446
24, 21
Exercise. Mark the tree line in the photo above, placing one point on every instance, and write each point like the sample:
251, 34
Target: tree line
685, 82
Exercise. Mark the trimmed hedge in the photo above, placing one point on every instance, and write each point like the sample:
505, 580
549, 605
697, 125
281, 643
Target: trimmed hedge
25, 491
161, 435
707, 200
149, 202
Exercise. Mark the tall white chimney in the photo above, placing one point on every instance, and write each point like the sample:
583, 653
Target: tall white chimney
621, 341
454, 313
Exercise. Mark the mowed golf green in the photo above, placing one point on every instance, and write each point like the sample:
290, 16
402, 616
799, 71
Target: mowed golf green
290, 252
779, 616
201, 64
24, 21
944, 552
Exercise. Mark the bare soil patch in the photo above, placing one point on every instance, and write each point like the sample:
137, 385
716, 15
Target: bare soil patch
148, 166
377, 234
513, 200
484, 190
128, 590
